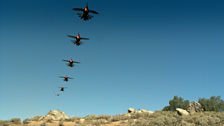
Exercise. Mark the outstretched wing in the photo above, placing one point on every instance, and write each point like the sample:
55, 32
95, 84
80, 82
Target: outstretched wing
92, 11
76, 62
85, 38
70, 78
71, 36
66, 60
61, 76
78, 9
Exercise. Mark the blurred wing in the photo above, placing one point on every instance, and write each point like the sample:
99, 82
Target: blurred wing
66, 60
92, 11
61, 76
90, 16
78, 9
73, 42
70, 78
85, 38
71, 36
80, 15
76, 62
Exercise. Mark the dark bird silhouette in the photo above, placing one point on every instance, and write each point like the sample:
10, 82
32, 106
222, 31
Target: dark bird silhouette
85, 13
70, 62
62, 88
78, 39
66, 78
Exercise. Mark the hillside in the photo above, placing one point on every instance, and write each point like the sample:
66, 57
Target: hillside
132, 118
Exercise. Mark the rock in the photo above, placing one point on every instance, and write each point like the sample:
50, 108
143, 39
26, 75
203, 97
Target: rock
36, 118
128, 114
131, 110
182, 111
82, 120
194, 107
145, 111
54, 115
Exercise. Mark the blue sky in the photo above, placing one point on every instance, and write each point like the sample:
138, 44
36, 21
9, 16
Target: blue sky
140, 54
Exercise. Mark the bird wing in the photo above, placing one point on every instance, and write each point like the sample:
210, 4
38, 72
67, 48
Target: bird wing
76, 62
71, 36
78, 9
70, 78
84, 38
92, 11
66, 60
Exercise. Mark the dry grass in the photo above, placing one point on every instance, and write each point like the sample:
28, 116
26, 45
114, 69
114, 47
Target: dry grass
159, 118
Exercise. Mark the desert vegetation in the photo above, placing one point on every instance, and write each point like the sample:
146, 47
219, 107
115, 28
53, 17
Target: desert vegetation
158, 118
212, 115
214, 103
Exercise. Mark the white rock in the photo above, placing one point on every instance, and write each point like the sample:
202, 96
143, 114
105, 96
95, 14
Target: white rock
146, 111
131, 110
182, 111
194, 107
82, 120
54, 115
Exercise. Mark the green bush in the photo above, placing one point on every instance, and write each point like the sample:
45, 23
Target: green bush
176, 102
15, 120
214, 103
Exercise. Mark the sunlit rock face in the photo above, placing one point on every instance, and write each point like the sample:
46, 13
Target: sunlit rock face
54, 115
194, 107
182, 111
132, 110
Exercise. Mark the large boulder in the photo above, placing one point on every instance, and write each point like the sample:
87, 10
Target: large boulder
194, 107
54, 115
182, 112
131, 110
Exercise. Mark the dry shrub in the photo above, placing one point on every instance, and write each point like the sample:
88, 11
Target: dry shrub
35, 118
4, 123
119, 118
172, 119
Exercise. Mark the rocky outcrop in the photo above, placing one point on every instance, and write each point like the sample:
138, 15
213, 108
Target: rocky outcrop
194, 107
54, 115
132, 110
182, 112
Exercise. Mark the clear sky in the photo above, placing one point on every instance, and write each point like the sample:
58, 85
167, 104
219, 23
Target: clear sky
140, 54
